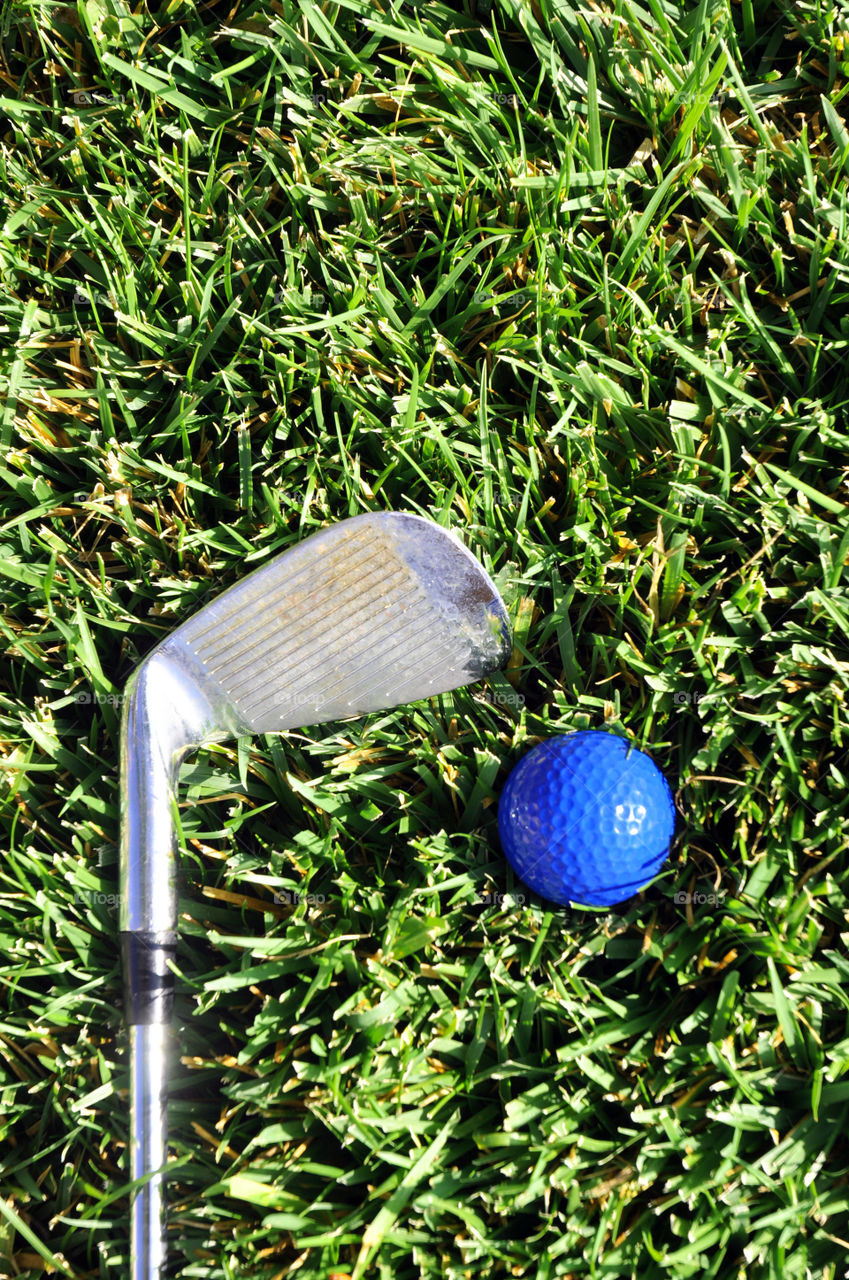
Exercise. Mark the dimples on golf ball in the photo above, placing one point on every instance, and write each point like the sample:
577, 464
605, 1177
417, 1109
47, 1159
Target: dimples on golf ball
586, 818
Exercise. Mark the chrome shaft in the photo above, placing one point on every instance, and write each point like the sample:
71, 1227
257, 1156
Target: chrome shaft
148, 1148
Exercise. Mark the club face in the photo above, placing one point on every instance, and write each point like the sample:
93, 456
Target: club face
374, 612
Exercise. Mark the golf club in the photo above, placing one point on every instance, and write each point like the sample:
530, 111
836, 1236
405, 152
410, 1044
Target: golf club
374, 612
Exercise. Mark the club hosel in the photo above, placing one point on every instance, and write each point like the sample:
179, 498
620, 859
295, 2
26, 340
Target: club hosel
152, 745
163, 719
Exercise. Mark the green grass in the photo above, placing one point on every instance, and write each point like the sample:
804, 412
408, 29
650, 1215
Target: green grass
574, 281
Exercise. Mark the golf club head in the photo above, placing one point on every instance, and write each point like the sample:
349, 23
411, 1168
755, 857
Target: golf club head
374, 612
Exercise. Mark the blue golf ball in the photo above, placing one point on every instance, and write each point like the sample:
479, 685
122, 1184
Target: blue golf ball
586, 818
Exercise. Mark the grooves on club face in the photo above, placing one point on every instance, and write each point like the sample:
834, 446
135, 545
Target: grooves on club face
374, 612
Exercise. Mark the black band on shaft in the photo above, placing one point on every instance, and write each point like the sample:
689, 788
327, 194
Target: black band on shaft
148, 980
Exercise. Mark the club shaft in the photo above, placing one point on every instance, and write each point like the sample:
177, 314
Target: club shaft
148, 1148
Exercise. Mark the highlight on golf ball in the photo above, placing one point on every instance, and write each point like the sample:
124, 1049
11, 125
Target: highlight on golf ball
586, 817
